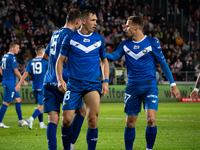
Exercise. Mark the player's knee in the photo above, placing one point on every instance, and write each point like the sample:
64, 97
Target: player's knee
92, 122
151, 121
82, 111
66, 123
6, 103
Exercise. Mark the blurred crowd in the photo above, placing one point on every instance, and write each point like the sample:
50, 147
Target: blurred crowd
32, 23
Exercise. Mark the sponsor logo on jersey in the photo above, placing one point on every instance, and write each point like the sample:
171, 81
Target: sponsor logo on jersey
77, 45
136, 47
144, 51
128, 51
86, 40
95, 45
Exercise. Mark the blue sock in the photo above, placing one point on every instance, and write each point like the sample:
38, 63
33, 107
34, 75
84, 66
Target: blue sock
76, 124
151, 136
92, 136
36, 113
3, 111
67, 134
18, 110
40, 117
51, 136
129, 137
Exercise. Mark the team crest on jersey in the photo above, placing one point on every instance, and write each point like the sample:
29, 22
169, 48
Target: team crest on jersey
136, 47
86, 40
144, 51
95, 45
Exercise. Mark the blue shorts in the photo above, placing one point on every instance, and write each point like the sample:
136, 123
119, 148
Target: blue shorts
75, 92
135, 96
38, 94
52, 97
10, 93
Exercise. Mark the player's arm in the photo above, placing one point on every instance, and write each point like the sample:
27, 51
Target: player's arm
59, 69
195, 92
157, 51
18, 74
1, 72
45, 57
17, 88
105, 74
118, 53
46, 52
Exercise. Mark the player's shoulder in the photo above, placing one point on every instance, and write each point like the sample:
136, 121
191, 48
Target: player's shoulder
98, 35
152, 40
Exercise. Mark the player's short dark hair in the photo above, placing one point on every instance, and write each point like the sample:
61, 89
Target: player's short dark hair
39, 48
12, 44
137, 20
73, 14
86, 13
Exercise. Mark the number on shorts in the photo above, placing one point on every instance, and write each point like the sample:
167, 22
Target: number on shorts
67, 95
127, 96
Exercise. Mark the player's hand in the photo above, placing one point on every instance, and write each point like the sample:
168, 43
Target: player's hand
25, 83
175, 92
104, 90
17, 88
62, 86
194, 94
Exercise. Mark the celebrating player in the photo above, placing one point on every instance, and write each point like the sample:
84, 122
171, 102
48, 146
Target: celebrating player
141, 53
82, 49
38, 68
52, 96
9, 71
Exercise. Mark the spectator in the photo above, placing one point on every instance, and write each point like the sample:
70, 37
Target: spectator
178, 65
179, 41
191, 71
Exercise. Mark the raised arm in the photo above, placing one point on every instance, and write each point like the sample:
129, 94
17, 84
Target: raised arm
59, 69
17, 88
105, 74
195, 92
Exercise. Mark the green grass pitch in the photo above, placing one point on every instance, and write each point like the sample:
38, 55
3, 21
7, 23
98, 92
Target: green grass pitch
178, 129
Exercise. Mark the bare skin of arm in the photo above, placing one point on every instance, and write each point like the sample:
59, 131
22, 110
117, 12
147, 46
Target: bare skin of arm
17, 88
105, 73
59, 69
194, 93
45, 57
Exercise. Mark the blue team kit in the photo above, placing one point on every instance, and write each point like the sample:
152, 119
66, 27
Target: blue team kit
83, 65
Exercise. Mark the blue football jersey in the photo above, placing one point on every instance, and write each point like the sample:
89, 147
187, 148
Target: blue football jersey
8, 63
141, 58
53, 50
84, 52
37, 67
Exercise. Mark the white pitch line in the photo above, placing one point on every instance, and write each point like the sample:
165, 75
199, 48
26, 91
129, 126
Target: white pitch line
156, 119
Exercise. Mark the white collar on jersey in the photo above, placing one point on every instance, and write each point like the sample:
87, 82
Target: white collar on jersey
86, 35
141, 40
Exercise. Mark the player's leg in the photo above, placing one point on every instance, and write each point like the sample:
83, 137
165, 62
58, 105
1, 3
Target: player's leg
7, 98
52, 107
151, 129
150, 103
67, 128
39, 100
132, 107
129, 132
53, 120
3, 109
77, 124
19, 110
92, 104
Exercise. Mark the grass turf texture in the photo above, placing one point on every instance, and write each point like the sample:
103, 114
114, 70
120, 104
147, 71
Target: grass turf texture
178, 129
